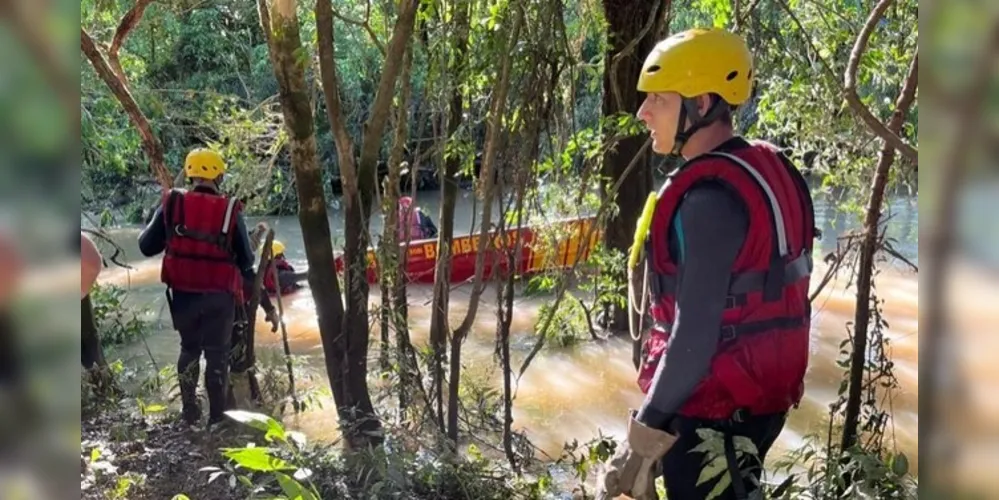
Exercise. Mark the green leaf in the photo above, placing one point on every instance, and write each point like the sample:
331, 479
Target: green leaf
723, 483
745, 445
900, 465
711, 443
258, 459
154, 408
180, 496
262, 422
293, 489
712, 470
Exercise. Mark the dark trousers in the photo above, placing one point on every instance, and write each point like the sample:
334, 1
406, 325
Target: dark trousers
681, 469
205, 322
11, 373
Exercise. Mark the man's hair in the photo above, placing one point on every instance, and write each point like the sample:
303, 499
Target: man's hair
726, 115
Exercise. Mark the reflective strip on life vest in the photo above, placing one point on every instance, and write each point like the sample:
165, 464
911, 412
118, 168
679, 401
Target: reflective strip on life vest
775, 208
228, 215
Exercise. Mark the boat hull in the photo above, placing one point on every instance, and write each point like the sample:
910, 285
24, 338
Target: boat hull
421, 255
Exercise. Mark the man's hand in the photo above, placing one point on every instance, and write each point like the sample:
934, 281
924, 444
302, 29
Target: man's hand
632, 470
272, 317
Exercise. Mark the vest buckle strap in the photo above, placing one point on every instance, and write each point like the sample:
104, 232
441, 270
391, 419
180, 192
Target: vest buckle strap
771, 281
789, 273
736, 300
218, 240
773, 284
728, 333
207, 258
731, 332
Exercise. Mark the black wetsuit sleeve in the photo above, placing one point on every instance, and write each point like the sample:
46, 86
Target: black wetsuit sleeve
152, 240
265, 302
241, 247
708, 232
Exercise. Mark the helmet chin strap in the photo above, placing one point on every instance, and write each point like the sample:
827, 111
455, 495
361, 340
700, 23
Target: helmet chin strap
689, 108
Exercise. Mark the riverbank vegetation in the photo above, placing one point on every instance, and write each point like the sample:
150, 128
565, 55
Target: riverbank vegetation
340, 108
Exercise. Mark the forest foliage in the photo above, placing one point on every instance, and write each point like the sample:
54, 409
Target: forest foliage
200, 72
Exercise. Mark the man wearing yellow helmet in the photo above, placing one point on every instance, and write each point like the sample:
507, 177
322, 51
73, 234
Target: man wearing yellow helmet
207, 258
288, 278
729, 245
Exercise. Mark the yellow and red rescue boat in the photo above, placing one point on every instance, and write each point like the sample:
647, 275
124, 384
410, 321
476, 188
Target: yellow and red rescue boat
536, 255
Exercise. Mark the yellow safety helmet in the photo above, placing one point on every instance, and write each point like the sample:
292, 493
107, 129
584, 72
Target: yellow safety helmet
700, 61
277, 248
204, 164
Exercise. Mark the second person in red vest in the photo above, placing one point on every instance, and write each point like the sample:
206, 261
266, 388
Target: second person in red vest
207, 257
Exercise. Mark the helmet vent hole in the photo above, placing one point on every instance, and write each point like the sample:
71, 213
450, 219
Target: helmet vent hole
204, 168
731, 76
653, 69
749, 75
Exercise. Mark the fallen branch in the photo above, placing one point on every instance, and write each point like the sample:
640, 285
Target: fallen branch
894, 253
117, 249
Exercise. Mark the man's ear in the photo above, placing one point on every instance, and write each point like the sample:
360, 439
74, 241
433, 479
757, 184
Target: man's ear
703, 104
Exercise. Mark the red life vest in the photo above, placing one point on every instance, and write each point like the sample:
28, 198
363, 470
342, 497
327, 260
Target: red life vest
760, 363
199, 254
281, 264
409, 216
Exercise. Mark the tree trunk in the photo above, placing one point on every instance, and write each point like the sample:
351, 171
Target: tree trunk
439, 327
349, 386
868, 249
359, 187
504, 310
632, 28
487, 192
505, 319
358, 202
150, 143
392, 262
